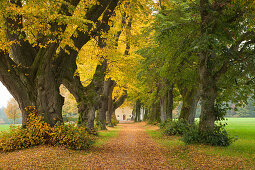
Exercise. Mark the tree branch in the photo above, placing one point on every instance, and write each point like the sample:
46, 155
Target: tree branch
120, 101
66, 63
21, 50
12, 78
222, 70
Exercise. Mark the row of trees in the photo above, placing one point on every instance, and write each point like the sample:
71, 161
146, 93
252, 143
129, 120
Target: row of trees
156, 52
44, 44
202, 51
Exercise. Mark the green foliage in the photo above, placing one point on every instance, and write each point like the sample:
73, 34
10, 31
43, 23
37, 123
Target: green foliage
153, 123
216, 137
175, 127
114, 121
191, 134
171, 57
38, 132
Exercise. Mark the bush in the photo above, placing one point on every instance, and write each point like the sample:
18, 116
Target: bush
216, 137
178, 127
38, 132
114, 121
153, 123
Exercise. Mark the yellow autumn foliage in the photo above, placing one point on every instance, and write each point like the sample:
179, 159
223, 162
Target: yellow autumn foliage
38, 132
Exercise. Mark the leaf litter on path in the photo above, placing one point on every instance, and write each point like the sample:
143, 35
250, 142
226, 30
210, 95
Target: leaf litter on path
132, 149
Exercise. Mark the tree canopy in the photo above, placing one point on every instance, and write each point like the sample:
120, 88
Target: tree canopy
155, 54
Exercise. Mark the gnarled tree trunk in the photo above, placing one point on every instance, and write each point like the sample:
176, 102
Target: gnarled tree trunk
189, 102
33, 74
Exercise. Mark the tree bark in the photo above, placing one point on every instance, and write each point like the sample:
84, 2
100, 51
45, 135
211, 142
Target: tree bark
38, 72
207, 80
169, 103
189, 102
163, 108
155, 112
41, 91
110, 104
208, 97
105, 99
146, 112
152, 114
158, 112
49, 101
138, 111
193, 110
88, 98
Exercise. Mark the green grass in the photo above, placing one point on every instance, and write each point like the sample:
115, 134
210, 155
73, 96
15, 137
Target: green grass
4, 127
104, 136
242, 150
244, 130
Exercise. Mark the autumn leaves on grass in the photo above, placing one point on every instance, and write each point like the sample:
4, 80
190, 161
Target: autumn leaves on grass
38, 132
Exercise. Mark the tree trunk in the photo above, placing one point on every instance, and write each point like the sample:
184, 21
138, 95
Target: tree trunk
110, 104
189, 103
103, 105
146, 112
49, 101
137, 111
208, 97
163, 108
39, 90
88, 98
91, 118
169, 103
106, 100
153, 113
207, 79
158, 112
38, 72
116, 104
193, 109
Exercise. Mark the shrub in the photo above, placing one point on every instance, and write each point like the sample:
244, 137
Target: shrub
114, 121
153, 123
178, 127
216, 137
38, 132
71, 136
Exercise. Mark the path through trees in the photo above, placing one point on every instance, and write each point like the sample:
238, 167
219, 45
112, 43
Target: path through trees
131, 149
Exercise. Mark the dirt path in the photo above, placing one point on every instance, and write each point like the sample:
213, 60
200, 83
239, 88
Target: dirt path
132, 149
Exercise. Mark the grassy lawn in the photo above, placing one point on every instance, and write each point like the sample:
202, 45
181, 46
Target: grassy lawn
239, 155
4, 127
105, 135
244, 129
